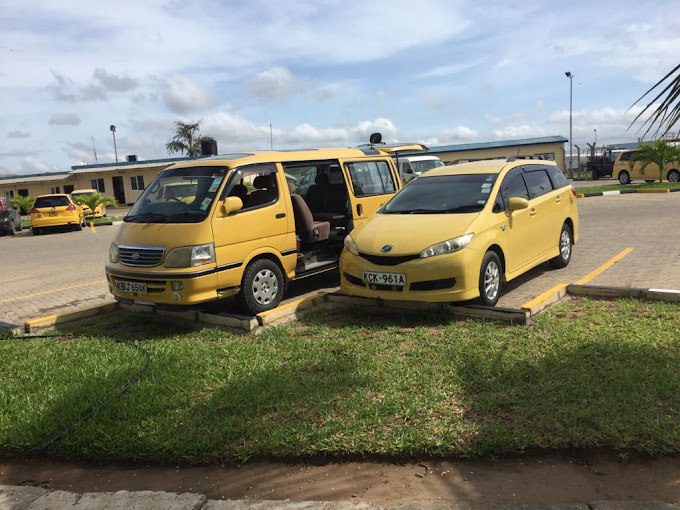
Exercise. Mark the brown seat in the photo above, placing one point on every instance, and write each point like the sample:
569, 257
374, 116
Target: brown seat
310, 231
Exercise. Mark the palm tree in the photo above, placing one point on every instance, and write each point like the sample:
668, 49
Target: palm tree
24, 204
668, 112
95, 200
660, 153
186, 139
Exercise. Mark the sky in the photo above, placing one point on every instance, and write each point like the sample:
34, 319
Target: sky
322, 73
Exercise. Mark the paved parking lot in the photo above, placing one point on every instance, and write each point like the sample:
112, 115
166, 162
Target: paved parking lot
63, 272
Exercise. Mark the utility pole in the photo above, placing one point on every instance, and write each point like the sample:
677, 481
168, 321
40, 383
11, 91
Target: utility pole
113, 132
571, 157
94, 150
271, 137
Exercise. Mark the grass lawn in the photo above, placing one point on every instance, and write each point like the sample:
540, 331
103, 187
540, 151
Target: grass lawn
585, 374
621, 187
108, 219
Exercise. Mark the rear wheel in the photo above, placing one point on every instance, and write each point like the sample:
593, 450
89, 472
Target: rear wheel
562, 260
490, 279
673, 176
262, 286
20, 227
624, 177
36, 231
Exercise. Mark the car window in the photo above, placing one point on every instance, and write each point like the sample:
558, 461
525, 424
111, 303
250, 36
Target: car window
51, 202
538, 183
256, 186
514, 186
371, 178
558, 179
626, 156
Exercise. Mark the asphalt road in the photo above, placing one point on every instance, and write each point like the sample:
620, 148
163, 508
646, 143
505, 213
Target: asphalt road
63, 272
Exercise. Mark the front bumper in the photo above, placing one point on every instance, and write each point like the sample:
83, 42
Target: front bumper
444, 278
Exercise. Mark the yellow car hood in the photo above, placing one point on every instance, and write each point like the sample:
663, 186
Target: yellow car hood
409, 233
168, 235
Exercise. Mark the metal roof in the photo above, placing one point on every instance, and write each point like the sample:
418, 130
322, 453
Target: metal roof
497, 144
125, 165
17, 179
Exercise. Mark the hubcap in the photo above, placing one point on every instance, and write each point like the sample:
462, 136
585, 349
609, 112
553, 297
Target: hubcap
565, 245
492, 280
674, 177
265, 286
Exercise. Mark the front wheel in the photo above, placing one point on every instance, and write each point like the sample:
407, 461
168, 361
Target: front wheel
262, 286
12, 229
562, 260
624, 177
490, 279
673, 176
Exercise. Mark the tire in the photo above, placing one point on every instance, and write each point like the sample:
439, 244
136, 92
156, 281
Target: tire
262, 286
624, 177
35, 231
595, 175
20, 227
674, 176
12, 229
84, 223
79, 226
490, 279
565, 247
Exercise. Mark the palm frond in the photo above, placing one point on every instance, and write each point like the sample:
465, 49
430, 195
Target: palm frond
667, 113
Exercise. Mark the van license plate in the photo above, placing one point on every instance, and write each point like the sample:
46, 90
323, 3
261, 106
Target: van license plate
396, 279
139, 288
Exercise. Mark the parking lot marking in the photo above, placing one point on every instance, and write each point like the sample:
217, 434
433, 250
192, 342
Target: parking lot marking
604, 266
92, 227
51, 291
15, 279
541, 298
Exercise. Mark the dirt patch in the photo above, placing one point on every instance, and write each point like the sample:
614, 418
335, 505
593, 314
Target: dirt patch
536, 479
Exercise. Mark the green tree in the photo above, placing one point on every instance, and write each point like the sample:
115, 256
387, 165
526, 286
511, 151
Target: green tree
667, 113
659, 153
21, 202
186, 139
95, 200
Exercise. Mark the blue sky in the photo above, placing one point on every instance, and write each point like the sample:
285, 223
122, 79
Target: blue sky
322, 72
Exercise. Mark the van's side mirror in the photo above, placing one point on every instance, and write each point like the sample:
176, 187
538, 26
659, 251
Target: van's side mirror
231, 204
517, 203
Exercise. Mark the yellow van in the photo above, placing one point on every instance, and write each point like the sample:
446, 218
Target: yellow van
460, 232
99, 211
623, 172
233, 225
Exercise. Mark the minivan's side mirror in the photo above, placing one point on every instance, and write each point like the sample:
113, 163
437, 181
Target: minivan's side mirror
231, 204
517, 203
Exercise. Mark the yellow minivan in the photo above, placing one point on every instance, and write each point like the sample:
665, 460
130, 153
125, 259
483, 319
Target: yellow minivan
625, 174
460, 232
233, 225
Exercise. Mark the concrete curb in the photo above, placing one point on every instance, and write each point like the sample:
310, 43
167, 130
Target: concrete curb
34, 325
669, 295
33, 498
625, 192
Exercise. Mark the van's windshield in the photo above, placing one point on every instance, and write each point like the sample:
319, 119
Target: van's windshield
445, 194
425, 165
179, 195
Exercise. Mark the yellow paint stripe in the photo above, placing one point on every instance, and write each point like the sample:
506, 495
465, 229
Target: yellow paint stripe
580, 195
544, 297
92, 227
51, 291
15, 279
654, 190
604, 266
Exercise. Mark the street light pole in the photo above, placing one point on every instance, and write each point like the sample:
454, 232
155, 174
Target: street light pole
113, 132
571, 157
595, 136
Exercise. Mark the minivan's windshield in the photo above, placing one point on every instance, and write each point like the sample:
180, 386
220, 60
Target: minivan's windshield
425, 165
179, 195
443, 194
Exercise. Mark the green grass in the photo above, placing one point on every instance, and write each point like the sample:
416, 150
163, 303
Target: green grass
585, 374
108, 219
614, 187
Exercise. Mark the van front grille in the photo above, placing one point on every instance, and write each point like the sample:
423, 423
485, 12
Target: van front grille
140, 256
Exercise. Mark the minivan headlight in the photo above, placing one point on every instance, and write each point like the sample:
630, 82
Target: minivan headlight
351, 245
450, 246
113, 253
191, 256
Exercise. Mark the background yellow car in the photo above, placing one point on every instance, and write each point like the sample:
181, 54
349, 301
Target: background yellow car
459, 232
55, 211
99, 211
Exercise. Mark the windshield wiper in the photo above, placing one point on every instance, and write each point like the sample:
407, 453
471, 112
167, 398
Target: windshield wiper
147, 217
464, 209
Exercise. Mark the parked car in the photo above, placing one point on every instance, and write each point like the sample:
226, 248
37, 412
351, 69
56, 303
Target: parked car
56, 211
10, 219
99, 211
460, 232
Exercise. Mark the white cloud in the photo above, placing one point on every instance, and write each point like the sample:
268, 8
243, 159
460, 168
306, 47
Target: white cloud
183, 94
31, 165
518, 132
275, 83
18, 134
459, 134
441, 71
114, 83
64, 119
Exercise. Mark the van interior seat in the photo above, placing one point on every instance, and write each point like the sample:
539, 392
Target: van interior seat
310, 231
317, 193
240, 191
328, 202
265, 190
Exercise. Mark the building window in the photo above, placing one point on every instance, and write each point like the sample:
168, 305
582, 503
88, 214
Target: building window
22, 192
137, 182
68, 188
9, 194
54, 190
97, 184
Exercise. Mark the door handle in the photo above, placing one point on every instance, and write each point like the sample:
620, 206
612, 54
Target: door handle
360, 210
280, 215
532, 212
558, 199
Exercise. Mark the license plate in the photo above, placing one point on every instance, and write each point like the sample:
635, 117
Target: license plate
395, 279
139, 288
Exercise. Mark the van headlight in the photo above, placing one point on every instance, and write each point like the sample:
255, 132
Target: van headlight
450, 246
351, 245
191, 256
113, 253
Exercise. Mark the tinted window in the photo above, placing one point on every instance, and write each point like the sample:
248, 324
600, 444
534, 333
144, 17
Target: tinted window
626, 156
558, 179
514, 186
371, 178
538, 183
51, 202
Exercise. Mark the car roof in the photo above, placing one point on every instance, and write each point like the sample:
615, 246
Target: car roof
487, 166
91, 190
52, 195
